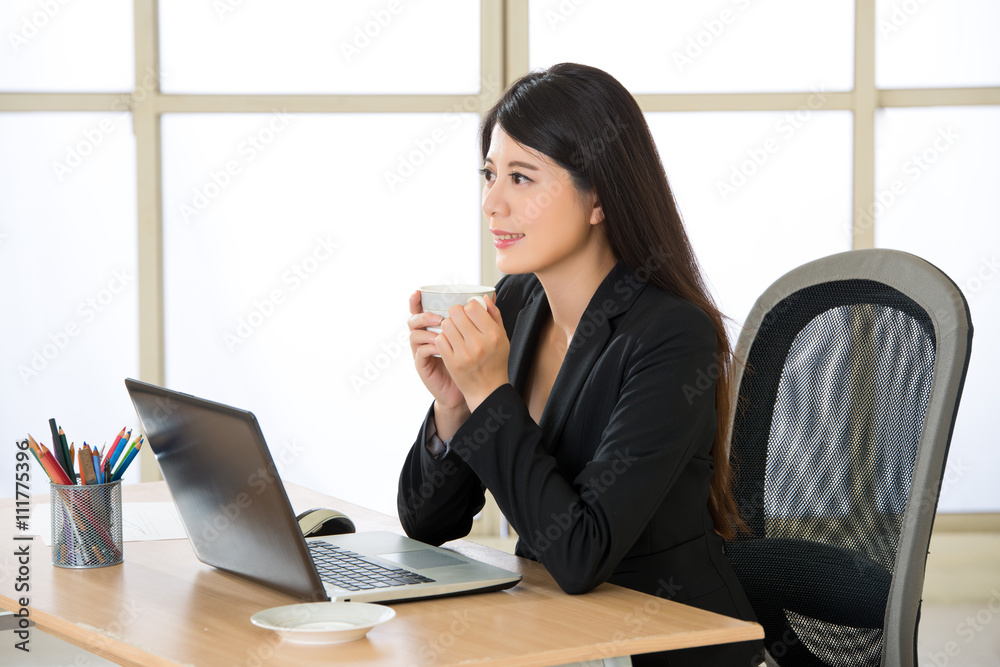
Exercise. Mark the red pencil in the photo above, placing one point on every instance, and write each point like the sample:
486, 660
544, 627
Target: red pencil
114, 443
48, 461
54, 470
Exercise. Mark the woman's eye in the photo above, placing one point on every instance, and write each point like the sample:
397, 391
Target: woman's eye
487, 174
519, 178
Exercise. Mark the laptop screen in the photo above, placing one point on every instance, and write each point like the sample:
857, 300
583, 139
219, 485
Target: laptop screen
220, 473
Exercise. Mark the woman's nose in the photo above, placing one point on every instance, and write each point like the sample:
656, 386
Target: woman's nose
495, 200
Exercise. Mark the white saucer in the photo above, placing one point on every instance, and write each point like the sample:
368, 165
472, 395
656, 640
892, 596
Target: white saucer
323, 622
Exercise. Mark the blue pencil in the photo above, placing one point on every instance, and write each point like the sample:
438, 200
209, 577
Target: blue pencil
126, 461
97, 465
117, 450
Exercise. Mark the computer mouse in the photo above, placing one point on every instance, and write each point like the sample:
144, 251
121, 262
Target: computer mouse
322, 521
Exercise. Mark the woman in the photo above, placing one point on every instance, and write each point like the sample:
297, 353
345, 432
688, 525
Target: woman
578, 398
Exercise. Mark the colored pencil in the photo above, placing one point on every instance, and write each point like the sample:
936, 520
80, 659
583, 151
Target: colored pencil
52, 468
57, 452
114, 443
119, 449
96, 462
47, 461
64, 446
125, 463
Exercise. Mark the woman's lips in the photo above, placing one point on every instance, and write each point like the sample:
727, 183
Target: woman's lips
503, 239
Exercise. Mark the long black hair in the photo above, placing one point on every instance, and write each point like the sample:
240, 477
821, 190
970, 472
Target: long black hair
585, 121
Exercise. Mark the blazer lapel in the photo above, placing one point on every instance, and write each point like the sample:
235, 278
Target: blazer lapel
613, 297
523, 338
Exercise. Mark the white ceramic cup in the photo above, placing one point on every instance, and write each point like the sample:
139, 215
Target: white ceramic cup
439, 298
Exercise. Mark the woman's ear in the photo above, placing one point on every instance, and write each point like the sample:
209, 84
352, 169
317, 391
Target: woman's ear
596, 213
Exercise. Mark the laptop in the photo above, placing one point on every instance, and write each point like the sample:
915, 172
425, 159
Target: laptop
237, 515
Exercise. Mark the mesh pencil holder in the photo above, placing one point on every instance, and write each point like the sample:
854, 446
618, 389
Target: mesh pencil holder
86, 524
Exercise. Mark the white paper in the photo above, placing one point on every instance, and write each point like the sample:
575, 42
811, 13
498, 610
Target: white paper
141, 522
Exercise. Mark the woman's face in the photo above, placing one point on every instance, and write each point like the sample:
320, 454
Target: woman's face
540, 222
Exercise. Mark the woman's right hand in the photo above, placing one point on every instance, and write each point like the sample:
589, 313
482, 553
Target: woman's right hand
449, 403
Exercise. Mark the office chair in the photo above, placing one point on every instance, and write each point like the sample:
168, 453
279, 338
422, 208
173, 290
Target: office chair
850, 371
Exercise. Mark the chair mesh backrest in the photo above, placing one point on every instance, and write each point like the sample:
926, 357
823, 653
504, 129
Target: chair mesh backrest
831, 409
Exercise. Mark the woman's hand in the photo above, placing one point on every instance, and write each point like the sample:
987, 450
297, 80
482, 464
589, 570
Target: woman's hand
431, 368
474, 347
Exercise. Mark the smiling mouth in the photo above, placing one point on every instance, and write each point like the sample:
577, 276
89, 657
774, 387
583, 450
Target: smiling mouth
507, 237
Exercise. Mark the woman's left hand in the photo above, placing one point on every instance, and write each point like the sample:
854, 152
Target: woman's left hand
474, 347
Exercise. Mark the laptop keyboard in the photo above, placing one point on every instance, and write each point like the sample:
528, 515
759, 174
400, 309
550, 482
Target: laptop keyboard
353, 572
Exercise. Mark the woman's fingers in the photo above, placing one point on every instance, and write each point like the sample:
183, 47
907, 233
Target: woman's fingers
494, 312
423, 320
469, 331
470, 320
421, 340
481, 316
444, 346
419, 337
426, 350
415, 306
478, 330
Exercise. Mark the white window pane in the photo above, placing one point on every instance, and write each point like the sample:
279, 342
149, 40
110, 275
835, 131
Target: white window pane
292, 244
923, 44
937, 175
760, 193
68, 269
721, 46
60, 46
316, 46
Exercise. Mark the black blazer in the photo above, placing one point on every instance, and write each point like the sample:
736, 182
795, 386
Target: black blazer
612, 484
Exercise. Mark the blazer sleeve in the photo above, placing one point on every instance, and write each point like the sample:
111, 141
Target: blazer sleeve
437, 497
581, 528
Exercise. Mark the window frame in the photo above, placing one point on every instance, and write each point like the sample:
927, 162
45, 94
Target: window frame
504, 57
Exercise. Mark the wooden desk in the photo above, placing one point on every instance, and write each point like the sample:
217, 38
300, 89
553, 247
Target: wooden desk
164, 607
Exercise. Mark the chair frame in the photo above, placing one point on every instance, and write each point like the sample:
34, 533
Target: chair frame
948, 311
